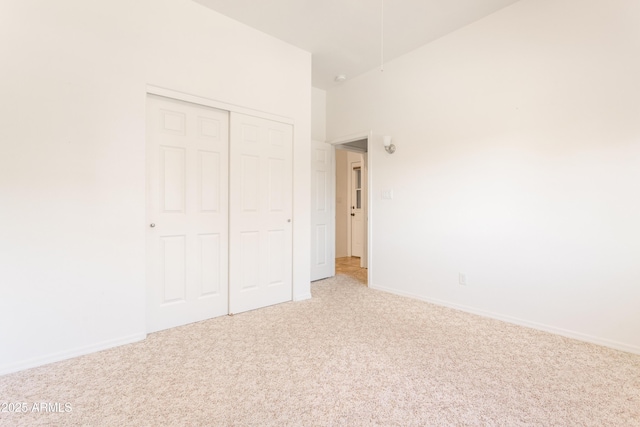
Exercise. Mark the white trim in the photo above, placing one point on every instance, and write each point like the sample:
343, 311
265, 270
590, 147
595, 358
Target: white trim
349, 200
370, 157
517, 321
194, 99
365, 260
302, 297
69, 354
350, 138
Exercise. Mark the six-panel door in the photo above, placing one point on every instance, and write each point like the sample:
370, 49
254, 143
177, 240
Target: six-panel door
322, 211
261, 208
187, 212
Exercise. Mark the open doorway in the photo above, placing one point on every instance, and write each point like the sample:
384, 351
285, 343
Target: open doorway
333, 227
352, 209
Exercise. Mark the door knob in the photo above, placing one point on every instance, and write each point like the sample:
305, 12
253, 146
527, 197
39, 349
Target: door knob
152, 225
289, 220
353, 214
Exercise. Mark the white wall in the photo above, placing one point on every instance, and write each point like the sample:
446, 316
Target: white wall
72, 171
517, 163
318, 114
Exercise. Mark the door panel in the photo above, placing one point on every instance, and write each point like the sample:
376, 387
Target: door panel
173, 269
276, 244
172, 191
276, 187
250, 183
209, 182
356, 209
187, 203
322, 210
249, 260
209, 256
261, 207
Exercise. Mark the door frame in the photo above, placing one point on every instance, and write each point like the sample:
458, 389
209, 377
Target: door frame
369, 164
194, 99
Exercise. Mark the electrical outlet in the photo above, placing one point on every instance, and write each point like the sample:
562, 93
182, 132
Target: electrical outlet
462, 279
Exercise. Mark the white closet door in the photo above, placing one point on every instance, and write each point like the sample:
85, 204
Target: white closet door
261, 185
187, 213
323, 263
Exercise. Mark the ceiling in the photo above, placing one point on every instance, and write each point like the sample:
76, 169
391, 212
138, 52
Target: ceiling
344, 36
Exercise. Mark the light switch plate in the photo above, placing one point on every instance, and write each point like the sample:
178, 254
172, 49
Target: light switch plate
462, 279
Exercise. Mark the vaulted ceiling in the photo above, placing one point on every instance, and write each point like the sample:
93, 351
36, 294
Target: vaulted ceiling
344, 36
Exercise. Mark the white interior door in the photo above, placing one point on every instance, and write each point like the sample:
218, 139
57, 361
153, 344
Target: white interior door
356, 209
323, 189
187, 213
261, 207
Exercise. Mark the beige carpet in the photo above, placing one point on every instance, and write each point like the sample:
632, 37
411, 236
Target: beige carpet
350, 356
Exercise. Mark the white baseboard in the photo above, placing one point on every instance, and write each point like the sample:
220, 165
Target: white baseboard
69, 354
517, 321
302, 297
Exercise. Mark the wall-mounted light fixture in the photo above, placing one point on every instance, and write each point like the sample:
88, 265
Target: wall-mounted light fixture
391, 148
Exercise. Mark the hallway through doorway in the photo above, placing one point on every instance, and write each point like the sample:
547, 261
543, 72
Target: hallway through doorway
350, 266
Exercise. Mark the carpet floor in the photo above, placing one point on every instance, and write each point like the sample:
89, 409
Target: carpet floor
350, 356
